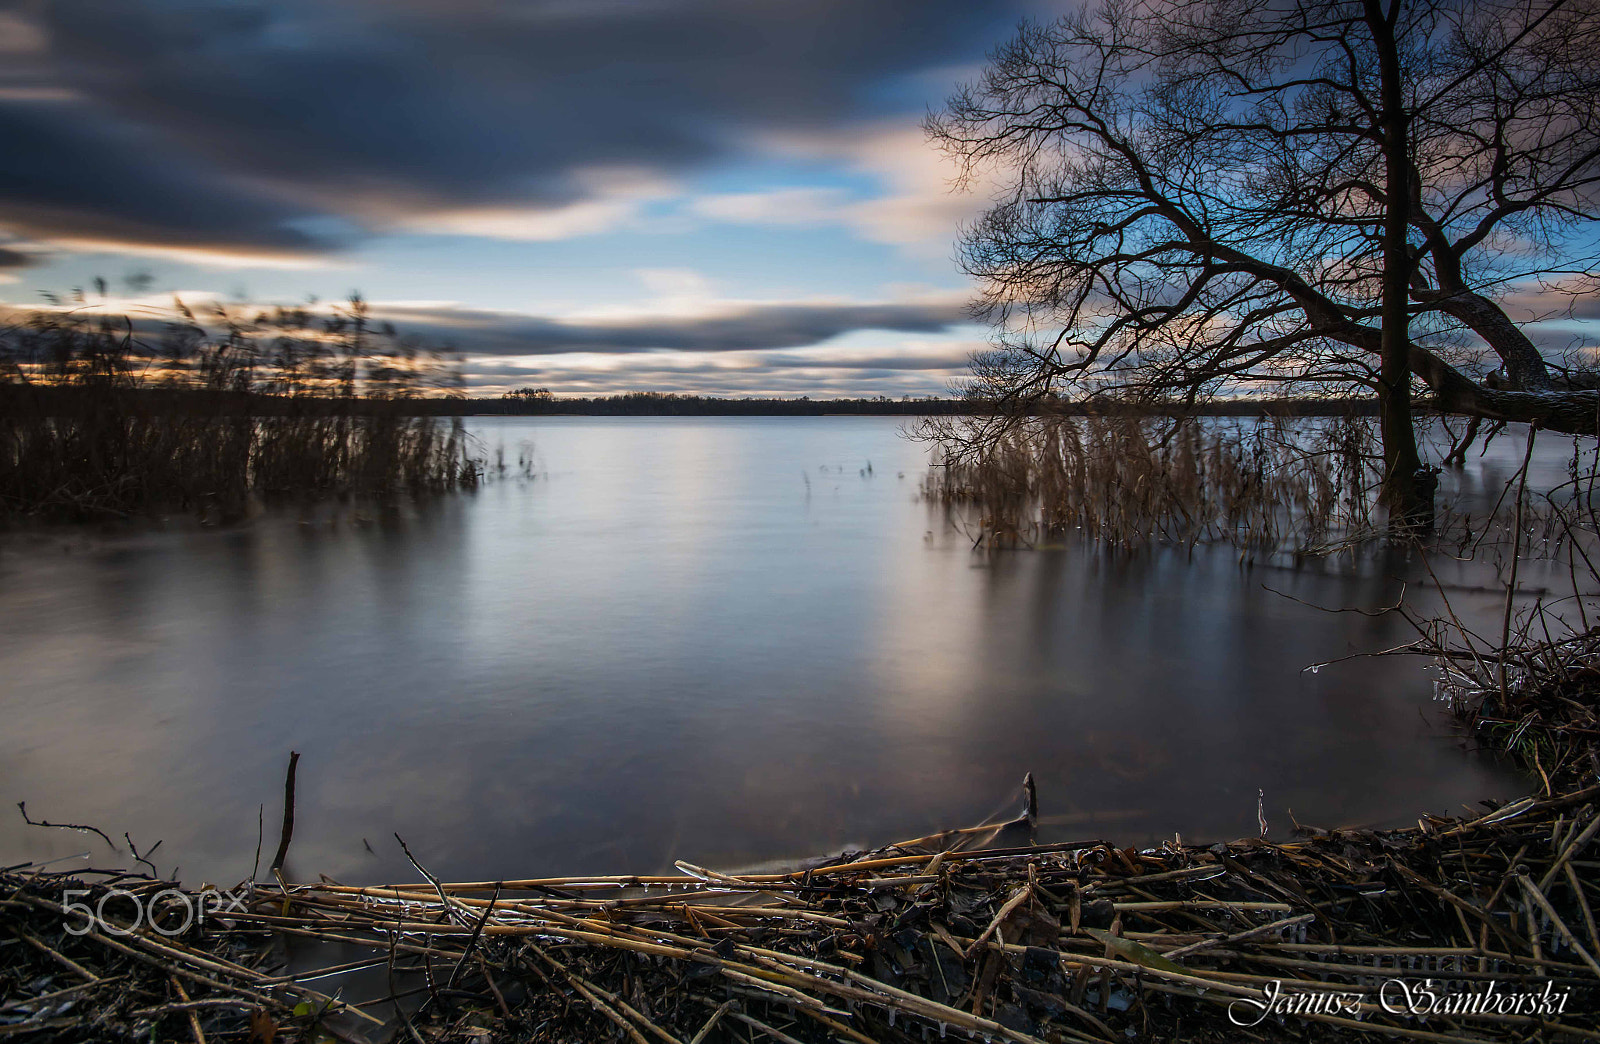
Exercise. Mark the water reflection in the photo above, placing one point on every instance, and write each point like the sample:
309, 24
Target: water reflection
714, 639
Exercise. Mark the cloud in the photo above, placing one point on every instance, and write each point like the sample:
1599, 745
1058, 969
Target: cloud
14, 259
736, 375
710, 327
617, 200
913, 357
1556, 300
529, 224
911, 366
478, 117
787, 206
924, 208
920, 207
715, 328
68, 175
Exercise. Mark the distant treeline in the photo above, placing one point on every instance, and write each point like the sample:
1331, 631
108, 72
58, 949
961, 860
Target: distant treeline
541, 402
658, 404
155, 400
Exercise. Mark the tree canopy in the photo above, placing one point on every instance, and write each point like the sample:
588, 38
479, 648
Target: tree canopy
1197, 195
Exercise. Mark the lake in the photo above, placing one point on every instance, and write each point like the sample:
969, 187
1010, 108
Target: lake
727, 640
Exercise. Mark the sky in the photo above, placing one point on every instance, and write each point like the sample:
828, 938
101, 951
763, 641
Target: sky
729, 197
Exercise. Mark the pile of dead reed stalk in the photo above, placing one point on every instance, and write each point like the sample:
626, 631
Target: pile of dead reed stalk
110, 416
1535, 698
930, 938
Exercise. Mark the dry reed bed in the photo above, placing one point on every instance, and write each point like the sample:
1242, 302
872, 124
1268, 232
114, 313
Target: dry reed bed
930, 938
1131, 480
105, 417
1538, 704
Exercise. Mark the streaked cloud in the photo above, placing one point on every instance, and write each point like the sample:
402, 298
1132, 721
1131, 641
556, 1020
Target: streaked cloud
913, 368
1555, 300
919, 207
784, 206
70, 176
473, 118
724, 327
615, 200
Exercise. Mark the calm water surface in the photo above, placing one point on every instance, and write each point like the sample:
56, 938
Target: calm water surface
723, 640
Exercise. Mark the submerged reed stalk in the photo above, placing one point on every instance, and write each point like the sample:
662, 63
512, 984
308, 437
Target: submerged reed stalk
1130, 480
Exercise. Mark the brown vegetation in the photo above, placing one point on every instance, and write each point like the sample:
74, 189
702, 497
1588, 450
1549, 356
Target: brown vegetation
1081, 941
109, 417
1130, 480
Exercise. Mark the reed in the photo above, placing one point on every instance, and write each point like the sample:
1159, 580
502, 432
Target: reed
947, 936
1130, 480
115, 416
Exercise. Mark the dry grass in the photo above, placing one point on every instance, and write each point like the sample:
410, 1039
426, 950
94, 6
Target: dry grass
1128, 481
976, 934
105, 417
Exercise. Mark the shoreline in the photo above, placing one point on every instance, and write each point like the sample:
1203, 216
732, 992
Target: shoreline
976, 932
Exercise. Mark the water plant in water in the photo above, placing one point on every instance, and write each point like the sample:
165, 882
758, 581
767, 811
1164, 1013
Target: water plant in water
107, 416
1129, 480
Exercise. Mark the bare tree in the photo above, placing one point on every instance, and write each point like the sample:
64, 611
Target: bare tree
1212, 194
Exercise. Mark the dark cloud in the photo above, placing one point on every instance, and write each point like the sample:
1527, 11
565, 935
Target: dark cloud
369, 107
749, 327
66, 171
759, 327
15, 259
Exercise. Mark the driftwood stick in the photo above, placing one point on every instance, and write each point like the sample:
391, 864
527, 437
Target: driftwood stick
22, 806
287, 834
1022, 896
451, 911
1204, 944
1583, 904
477, 933
53, 954
1570, 849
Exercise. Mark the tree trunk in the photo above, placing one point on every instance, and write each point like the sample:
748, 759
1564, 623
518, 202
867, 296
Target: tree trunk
1401, 491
